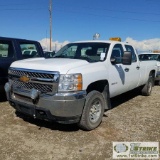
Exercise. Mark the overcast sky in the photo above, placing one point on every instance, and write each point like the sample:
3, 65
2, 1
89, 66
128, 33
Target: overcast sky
135, 21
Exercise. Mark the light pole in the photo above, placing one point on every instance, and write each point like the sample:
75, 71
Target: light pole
50, 13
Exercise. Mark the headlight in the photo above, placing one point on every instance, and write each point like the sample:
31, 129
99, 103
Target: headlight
70, 82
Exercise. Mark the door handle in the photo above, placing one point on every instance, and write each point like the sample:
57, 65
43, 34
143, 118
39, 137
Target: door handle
126, 69
138, 67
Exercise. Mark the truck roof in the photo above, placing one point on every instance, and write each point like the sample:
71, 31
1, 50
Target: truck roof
100, 41
11, 38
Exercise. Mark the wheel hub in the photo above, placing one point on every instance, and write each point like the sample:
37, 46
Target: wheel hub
95, 111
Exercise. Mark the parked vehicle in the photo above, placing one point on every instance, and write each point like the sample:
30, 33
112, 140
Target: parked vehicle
76, 85
12, 49
149, 56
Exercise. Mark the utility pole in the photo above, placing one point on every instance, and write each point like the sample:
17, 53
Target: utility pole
50, 13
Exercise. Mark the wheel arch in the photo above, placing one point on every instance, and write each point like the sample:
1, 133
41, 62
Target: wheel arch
101, 86
152, 73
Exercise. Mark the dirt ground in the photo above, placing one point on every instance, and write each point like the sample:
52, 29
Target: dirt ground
133, 118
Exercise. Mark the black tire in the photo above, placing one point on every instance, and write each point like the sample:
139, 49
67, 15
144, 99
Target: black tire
93, 111
147, 89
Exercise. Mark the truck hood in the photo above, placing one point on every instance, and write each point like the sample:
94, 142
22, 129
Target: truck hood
62, 65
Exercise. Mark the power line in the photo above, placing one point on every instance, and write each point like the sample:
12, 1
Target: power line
112, 10
106, 16
101, 9
20, 4
24, 9
89, 14
124, 11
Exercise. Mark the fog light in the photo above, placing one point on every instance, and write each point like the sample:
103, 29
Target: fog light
34, 94
7, 87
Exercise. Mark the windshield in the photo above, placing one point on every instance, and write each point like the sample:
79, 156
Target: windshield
148, 57
84, 51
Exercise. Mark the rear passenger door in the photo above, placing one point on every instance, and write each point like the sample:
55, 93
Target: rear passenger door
7, 56
134, 69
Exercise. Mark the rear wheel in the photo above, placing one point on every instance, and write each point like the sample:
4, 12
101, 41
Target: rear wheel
93, 111
147, 89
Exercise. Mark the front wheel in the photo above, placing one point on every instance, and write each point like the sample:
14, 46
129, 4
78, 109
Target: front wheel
93, 111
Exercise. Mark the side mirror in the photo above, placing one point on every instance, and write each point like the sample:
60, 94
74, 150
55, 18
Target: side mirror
127, 58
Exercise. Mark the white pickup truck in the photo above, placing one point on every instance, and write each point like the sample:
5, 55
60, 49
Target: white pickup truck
75, 86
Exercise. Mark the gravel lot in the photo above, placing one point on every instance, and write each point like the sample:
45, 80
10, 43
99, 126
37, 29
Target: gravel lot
133, 118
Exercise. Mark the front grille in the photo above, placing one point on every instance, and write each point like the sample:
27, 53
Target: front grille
40, 80
41, 87
31, 74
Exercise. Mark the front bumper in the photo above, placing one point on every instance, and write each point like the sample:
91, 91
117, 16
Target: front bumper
61, 107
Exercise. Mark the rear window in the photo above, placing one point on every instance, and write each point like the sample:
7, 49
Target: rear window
6, 49
29, 50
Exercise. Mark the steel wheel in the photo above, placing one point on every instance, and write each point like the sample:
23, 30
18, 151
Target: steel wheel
95, 110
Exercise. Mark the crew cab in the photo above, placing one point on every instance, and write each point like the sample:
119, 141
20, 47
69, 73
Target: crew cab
12, 49
152, 56
75, 86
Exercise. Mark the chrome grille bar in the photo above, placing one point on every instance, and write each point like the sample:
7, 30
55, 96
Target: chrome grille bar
43, 81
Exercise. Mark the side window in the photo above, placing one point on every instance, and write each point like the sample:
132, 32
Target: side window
6, 49
29, 50
117, 53
130, 49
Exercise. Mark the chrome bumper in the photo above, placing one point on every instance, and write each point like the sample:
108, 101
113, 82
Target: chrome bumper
62, 107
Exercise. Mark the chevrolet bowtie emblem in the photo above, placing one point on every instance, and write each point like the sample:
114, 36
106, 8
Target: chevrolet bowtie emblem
24, 79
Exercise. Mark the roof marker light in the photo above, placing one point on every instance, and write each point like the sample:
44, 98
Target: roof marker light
115, 39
